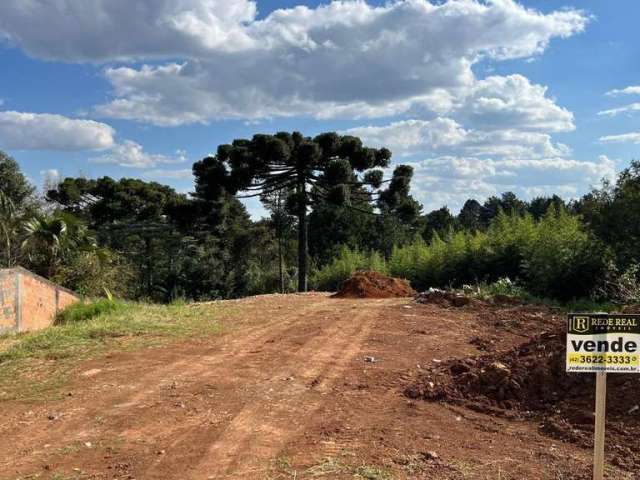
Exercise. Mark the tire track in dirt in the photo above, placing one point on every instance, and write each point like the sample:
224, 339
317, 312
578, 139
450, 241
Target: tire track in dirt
256, 411
232, 359
122, 410
256, 435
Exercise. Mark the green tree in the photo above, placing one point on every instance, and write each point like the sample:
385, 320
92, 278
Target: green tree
13, 184
539, 206
10, 226
613, 213
331, 227
44, 238
328, 167
399, 219
282, 223
508, 203
469, 217
439, 221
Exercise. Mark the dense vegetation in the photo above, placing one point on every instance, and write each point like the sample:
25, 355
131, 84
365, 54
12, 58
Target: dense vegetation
329, 209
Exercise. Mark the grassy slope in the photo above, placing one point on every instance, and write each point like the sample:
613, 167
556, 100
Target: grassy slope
34, 364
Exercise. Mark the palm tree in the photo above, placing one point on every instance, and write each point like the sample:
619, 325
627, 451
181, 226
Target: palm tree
54, 239
45, 236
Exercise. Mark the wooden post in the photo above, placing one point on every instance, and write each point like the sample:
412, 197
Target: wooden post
598, 439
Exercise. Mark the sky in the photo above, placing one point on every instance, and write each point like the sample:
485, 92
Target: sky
480, 97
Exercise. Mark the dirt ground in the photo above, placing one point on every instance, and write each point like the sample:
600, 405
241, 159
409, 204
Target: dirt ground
298, 386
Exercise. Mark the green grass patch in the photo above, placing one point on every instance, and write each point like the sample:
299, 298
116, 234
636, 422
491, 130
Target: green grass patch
84, 311
32, 364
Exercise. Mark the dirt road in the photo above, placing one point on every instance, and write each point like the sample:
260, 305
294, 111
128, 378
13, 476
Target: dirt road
299, 386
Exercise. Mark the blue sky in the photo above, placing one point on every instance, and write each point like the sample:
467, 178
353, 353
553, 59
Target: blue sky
480, 97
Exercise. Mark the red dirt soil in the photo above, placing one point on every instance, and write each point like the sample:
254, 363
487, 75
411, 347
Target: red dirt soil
297, 386
374, 285
529, 381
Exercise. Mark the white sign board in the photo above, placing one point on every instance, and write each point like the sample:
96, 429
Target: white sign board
603, 343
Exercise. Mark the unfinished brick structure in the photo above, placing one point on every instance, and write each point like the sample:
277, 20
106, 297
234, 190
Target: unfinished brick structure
29, 302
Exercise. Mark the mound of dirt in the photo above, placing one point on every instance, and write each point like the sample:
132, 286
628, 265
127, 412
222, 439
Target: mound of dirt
452, 298
530, 381
374, 285
445, 298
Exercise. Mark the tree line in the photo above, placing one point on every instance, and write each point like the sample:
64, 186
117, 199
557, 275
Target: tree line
144, 240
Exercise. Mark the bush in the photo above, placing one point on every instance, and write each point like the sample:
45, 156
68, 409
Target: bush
503, 286
82, 312
621, 286
439, 263
554, 257
331, 276
89, 273
505, 246
564, 261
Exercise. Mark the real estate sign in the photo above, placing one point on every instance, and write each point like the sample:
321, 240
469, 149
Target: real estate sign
603, 343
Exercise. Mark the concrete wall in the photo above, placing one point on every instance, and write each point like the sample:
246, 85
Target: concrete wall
29, 302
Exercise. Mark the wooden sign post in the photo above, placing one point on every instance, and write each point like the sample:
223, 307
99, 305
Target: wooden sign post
598, 439
602, 343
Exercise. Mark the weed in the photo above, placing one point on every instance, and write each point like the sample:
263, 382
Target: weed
367, 472
327, 466
80, 312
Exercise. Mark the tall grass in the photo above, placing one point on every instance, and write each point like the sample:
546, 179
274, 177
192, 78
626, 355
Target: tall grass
84, 311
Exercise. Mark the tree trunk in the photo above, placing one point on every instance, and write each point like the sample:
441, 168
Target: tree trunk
303, 241
278, 217
280, 263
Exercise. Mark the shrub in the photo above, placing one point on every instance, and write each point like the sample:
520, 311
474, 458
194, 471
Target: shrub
505, 246
411, 261
452, 261
620, 286
553, 257
89, 273
564, 261
503, 286
331, 276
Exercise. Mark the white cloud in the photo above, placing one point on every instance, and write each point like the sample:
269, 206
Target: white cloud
446, 136
633, 107
213, 59
344, 59
513, 102
105, 30
132, 154
632, 137
452, 180
182, 174
43, 131
631, 90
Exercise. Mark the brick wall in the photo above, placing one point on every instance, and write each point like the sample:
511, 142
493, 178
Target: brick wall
30, 302
8, 307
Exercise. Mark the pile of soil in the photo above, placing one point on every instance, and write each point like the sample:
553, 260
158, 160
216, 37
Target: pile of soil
445, 298
452, 298
530, 381
525, 321
374, 285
